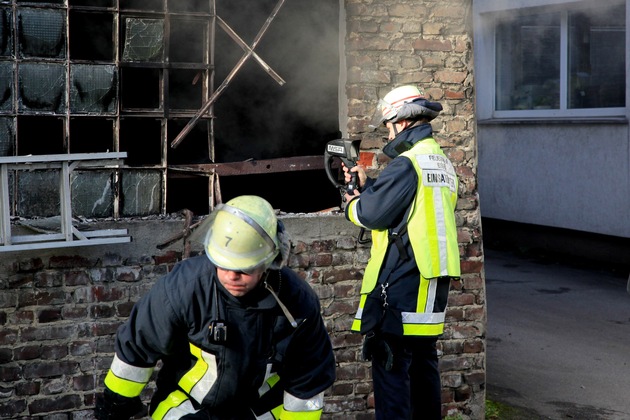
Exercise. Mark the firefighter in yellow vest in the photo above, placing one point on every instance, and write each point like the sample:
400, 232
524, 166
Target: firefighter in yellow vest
410, 210
238, 334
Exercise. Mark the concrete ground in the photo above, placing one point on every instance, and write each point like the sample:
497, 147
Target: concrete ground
558, 340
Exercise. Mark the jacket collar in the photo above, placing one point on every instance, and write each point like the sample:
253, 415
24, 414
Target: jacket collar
407, 138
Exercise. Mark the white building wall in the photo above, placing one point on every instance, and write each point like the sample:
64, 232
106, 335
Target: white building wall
568, 172
574, 176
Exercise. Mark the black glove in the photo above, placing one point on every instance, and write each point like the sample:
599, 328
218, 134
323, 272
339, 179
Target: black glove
374, 345
112, 406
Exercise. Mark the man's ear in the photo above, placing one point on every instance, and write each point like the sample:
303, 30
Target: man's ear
284, 242
404, 124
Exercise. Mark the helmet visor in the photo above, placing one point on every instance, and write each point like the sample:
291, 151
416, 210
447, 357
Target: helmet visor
383, 112
236, 242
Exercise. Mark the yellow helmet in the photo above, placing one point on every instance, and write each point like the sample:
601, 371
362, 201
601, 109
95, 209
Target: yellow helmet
243, 234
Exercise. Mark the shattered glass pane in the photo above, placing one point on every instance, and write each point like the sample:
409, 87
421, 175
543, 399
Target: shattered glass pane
6, 86
41, 33
92, 194
42, 87
41, 1
95, 3
6, 136
38, 193
141, 193
93, 88
6, 34
144, 40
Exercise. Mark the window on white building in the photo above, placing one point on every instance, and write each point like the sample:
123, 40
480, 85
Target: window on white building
561, 60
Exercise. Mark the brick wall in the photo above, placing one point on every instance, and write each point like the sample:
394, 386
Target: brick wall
429, 43
59, 309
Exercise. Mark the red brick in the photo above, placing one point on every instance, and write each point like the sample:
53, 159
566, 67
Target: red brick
69, 262
50, 369
28, 352
12, 409
49, 315
45, 405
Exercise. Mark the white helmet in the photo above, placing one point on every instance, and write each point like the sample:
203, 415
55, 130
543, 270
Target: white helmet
393, 107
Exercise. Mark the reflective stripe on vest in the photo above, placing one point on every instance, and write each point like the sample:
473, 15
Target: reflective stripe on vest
127, 380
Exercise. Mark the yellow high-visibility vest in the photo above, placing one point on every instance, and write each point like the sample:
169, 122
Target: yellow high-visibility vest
433, 236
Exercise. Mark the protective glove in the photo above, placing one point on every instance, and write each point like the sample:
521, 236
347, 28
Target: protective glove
112, 406
375, 346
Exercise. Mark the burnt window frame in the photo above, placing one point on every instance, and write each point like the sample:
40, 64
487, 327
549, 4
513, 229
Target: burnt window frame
70, 122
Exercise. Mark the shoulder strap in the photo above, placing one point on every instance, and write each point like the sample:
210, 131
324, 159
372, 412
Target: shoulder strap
395, 236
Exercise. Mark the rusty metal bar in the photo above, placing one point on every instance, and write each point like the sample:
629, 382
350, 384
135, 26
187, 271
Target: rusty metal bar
228, 78
251, 167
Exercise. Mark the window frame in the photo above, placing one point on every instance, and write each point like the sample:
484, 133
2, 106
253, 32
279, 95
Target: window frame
486, 16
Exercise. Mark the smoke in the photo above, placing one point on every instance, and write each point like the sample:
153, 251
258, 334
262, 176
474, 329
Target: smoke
256, 117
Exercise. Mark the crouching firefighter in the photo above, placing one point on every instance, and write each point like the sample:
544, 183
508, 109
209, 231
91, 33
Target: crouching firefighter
238, 334
409, 209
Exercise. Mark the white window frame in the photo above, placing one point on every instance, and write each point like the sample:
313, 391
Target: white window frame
485, 15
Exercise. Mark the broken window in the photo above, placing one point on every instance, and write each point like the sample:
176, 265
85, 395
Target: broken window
41, 33
6, 32
38, 193
185, 92
188, 6
141, 138
142, 193
152, 5
38, 135
187, 41
91, 135
6, 137
92, 3
42, 87
185, 89
140, 88
91, 36
92, 193
6, 86
144, 40
41, 1
194, 149
92, 88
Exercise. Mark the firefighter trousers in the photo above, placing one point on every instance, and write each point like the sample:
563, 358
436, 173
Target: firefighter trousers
411, 389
